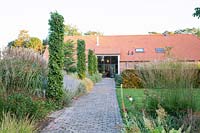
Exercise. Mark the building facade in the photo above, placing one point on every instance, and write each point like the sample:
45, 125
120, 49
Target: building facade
117, 53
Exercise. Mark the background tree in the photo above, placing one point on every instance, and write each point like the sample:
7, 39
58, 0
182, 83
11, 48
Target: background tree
153, 33
11, 44
197, 12
45, 41
23, 39
91, 62
187, 31
71, 30
56, 57
93, 33
35, 43
81, 66
69, 62
194, 31
197, 33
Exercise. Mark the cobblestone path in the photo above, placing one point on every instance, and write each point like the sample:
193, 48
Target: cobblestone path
96, 112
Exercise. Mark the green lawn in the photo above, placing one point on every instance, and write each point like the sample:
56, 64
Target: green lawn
138, 96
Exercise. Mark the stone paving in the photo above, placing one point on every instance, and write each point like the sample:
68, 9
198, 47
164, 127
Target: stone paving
96, 112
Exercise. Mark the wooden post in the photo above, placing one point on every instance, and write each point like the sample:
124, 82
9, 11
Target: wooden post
122, 98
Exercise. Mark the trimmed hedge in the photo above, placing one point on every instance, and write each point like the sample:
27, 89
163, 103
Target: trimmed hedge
130, 79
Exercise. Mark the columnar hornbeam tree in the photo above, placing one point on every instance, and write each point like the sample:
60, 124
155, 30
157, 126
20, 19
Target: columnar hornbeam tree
95, 64
90, 62
81, 63
56, 56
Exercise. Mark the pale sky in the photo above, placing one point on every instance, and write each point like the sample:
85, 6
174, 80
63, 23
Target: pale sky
112, 17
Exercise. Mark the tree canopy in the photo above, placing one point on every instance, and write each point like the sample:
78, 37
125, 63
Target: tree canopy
35, 43
194, 31
197, 12
24, 40
71, 30
93, 33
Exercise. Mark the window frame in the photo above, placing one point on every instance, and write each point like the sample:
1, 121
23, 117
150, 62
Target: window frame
158, 50
141, 50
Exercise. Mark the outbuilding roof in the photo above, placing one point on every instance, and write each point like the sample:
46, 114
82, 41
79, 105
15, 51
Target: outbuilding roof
183, 46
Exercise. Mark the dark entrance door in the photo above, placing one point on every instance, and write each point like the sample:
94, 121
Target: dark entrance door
108, 65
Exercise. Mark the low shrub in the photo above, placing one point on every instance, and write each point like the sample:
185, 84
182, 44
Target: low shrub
81, 89
145, 124
88, 83
96, 77
179, 100
44, 107
173, 101
49, 105
118, 80
67, 98
10, 124
73, 75
71, 83
70, 94
22, 106
130, 79
73, 86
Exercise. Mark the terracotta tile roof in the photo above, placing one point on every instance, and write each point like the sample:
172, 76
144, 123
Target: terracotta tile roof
100, 51
184, 46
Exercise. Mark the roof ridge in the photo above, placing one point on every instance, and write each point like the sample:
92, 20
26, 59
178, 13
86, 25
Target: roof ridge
130, 35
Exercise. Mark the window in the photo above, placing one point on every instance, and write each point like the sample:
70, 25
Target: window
139, 50
160, 50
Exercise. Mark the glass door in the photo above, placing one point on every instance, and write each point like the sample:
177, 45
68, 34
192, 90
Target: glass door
108, 65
